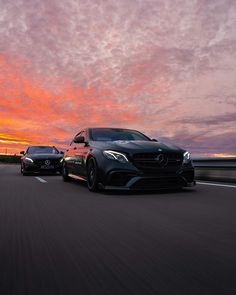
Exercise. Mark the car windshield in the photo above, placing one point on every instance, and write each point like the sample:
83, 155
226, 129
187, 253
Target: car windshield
42, 150
103, 134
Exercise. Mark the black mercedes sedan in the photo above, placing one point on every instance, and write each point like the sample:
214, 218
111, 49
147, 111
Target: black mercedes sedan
114, 158
41, 159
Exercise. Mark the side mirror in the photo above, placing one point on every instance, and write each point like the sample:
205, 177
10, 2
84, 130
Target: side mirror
22, 152
154, 139
79, 139
61, 152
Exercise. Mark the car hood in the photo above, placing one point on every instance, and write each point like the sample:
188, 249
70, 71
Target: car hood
136, 146
44, 156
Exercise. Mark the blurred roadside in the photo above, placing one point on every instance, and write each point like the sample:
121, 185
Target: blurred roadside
216, 169
9, 159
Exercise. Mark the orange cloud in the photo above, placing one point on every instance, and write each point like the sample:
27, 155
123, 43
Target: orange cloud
32, 113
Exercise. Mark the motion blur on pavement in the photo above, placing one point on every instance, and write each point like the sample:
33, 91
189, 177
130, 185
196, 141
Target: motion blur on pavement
59, 238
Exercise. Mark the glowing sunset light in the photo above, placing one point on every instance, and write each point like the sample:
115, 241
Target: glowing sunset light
12, 140
170, 73
224, 155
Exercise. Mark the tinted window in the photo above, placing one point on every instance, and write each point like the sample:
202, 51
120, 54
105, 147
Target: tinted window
42, 150
116, 134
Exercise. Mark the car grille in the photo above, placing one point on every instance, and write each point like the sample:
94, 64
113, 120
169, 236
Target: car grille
157, 161
41, 162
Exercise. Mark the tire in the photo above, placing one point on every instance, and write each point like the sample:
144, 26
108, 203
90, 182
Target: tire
64, 173
92, 175
23, 170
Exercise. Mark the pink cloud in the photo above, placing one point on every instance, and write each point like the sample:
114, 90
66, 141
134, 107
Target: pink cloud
138, 64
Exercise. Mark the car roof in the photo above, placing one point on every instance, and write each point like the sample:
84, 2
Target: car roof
114, 128
42, 146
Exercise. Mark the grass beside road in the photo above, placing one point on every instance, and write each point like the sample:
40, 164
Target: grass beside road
9, 159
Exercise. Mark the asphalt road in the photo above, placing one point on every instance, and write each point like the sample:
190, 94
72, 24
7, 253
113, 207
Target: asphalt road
58, 238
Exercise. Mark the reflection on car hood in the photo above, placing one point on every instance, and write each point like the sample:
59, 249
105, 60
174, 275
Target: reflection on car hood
136, 146
44, 156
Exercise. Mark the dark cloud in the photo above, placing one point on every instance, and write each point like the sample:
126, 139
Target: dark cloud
205, 144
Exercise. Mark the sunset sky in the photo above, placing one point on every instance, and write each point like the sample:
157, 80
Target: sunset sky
166, 68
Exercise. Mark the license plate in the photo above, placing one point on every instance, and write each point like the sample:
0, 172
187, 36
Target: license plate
47, 167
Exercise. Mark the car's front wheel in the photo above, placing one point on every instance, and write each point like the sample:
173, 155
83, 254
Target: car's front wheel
22, 170
92, 175
64, 173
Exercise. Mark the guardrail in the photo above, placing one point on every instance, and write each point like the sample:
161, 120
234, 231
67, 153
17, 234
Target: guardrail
216, 169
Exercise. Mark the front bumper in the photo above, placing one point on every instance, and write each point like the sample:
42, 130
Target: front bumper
32, 168
127, 176
133, 180
152, 183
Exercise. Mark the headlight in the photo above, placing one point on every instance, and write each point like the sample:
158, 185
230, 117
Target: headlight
112, 155
28, 160
187, 158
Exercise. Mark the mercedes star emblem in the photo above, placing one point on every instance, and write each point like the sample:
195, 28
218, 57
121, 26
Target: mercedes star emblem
160, 158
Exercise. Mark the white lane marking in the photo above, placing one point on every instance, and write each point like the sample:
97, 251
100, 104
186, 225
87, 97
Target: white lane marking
40, 179
216, 184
